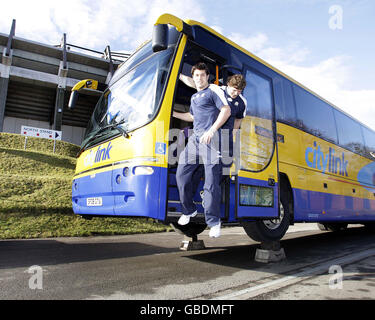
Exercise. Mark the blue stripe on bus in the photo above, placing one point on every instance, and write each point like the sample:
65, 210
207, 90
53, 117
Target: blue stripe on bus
315, 206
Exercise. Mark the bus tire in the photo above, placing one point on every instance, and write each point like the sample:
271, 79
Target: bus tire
370, 226
270, 230
334, 227
191, 230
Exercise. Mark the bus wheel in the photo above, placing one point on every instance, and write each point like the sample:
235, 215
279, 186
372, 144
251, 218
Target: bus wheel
335, 227
191, 230
370, 226
269, 230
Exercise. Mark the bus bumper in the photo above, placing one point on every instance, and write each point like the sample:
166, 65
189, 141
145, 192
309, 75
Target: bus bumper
129, 191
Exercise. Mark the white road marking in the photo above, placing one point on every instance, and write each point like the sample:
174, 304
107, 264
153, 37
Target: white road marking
279, 283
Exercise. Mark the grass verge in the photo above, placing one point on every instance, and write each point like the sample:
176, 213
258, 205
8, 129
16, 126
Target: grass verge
35, 196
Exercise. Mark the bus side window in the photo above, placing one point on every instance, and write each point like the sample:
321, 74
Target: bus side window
284, 102
350, 135
258, 93
315, 115
370, 142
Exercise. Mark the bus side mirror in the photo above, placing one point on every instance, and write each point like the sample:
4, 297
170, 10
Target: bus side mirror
88, 84
73, 99
160, 38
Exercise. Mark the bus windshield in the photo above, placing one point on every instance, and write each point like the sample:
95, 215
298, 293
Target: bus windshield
133, 97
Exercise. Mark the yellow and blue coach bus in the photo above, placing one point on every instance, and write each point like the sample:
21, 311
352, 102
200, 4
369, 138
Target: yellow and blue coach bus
301, 158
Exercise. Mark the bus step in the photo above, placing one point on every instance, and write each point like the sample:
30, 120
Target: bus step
177, 214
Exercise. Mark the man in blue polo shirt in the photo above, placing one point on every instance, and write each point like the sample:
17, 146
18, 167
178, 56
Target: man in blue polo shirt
209, 110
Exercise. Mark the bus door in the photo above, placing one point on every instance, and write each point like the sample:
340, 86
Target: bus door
257, 164
184, 90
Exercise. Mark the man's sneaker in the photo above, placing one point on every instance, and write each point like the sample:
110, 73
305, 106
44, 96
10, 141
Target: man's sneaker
185, 219
215, 231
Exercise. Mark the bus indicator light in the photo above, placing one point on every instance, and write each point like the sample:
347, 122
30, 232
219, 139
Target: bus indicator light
146, 171
126, 172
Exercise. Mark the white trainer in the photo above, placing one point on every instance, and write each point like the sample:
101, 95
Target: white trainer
215, 231
185, 219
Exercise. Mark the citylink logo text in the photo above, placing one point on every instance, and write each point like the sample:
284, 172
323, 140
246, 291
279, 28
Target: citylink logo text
315, 158
100, 155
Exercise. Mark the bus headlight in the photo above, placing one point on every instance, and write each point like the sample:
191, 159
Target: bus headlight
137, 171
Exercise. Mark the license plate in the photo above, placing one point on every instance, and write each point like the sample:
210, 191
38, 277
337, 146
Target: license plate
94, 202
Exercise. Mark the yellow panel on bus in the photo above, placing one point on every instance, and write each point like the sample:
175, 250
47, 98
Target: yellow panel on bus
315, 164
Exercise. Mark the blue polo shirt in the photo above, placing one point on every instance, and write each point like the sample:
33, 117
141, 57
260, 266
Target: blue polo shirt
237, 107
205, 106
238, 111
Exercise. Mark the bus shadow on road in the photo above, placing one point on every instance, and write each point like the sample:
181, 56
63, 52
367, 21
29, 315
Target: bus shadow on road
25, 253
299, 249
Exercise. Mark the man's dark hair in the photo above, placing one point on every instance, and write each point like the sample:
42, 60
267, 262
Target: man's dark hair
200, 66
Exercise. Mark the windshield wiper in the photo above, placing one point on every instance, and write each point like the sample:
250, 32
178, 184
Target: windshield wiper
115, 125
121, 129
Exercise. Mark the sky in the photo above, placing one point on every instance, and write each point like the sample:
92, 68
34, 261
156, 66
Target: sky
325, 45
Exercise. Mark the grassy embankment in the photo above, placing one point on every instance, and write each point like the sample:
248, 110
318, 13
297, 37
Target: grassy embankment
35, 194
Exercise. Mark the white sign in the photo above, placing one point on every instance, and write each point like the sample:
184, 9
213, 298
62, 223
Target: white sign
41, 133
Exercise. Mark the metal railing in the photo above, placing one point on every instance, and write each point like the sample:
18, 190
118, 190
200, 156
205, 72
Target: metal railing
106, 54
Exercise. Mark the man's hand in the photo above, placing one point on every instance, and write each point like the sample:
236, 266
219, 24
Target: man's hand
207, 136
221, 119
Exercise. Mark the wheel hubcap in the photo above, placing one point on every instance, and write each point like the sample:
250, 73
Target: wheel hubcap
275, 223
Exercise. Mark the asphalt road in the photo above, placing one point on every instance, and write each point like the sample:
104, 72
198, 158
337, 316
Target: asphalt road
151, 266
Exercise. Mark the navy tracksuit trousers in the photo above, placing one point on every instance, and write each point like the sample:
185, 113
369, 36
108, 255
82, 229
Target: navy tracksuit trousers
193, 155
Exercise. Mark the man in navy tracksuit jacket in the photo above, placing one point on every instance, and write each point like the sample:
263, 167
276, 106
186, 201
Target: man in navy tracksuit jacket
209, 111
